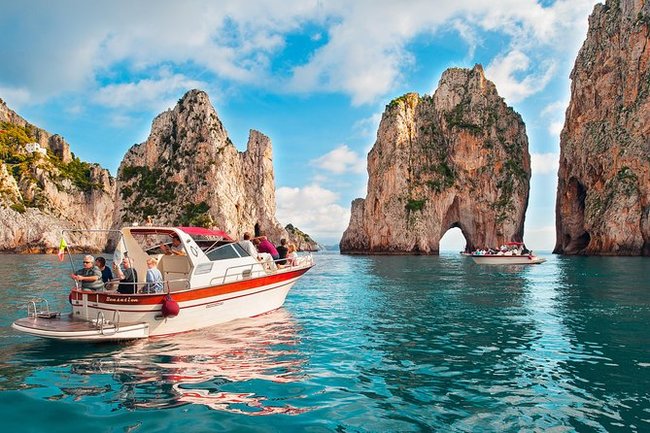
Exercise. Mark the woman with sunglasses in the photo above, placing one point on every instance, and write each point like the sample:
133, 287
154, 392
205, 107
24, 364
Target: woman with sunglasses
90, 276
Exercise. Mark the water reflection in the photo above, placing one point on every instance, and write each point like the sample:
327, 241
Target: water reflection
208, 367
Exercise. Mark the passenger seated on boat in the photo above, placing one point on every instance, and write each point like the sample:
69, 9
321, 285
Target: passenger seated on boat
128, 278
264, 257
90, 275
292, 256
154, 277
176, 248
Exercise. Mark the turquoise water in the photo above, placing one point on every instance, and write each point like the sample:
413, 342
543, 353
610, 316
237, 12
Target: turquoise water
363, 344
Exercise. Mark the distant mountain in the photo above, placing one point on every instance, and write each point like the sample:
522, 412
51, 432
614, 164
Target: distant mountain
302, 240
44, 188
188, 172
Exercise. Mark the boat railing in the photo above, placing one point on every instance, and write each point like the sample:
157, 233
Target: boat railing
278, 265
167, 286
246, 273
44, 312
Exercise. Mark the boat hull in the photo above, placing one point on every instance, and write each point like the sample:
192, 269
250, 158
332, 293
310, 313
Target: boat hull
95, 314
507, 260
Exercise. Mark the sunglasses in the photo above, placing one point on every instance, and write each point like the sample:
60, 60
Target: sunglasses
87, 262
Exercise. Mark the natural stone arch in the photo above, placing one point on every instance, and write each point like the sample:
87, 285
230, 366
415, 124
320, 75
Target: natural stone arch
459, 158
449, 232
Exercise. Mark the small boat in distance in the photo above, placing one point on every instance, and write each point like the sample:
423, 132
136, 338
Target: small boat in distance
210, 280
512, 253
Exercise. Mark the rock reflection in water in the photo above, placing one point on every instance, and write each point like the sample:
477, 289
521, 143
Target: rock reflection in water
208, 367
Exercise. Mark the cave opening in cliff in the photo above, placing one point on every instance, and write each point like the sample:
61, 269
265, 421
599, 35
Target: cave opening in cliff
453, 240
578, 239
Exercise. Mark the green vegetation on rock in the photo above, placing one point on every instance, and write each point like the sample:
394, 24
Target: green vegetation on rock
196, 215
296, 232
415, 205
148, 190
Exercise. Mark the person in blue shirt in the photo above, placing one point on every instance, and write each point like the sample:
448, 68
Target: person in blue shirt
154, 277
107, 274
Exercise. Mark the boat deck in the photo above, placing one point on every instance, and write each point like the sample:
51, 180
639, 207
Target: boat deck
66, 327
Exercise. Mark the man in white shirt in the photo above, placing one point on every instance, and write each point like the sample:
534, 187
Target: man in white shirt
248, 246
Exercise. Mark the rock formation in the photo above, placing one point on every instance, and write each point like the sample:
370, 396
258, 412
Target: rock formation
456, 159
59, 147
188, 172
603, 197
40, 194
300, 239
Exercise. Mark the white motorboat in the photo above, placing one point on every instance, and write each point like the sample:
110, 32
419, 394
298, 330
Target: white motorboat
213, 281
514, 253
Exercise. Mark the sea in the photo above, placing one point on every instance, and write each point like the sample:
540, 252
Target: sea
362, 344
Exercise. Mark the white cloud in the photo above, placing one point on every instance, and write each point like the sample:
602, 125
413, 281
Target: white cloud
313, 210
368, 127
555, 128
544, 163
341, 160
155, 94
555, 113
14, 97
503, 71
365, 53
468, 34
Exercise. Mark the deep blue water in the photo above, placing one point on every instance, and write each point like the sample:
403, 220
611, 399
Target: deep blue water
363, 344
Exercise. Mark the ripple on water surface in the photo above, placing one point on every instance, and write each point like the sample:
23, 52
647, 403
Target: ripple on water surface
362, 344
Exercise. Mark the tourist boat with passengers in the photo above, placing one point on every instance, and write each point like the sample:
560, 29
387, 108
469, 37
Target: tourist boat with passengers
213, 280
513, 253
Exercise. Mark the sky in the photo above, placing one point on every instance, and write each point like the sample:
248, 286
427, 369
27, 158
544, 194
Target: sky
313, 75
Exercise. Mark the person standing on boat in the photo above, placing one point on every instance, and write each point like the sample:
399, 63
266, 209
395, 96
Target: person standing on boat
154, 277
90, 276
176, 249
107, 275
128, 277
248, 246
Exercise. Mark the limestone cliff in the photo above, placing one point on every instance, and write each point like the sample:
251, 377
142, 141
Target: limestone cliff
300, 239
603, 197
44, 188
188, 172
458, 158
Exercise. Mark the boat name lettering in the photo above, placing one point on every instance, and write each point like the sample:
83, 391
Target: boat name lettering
214, 304
122, 300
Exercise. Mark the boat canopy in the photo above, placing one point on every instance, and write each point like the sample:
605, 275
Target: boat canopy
200, 231
195, 232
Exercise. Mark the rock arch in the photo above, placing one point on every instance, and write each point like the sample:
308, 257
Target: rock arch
457, 158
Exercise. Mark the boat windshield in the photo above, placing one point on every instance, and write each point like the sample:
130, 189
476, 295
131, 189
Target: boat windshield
231, 250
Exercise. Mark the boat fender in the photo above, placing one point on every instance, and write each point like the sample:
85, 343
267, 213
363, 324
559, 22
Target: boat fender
170, 307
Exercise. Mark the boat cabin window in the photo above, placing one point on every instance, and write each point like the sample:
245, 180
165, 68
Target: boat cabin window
227, 251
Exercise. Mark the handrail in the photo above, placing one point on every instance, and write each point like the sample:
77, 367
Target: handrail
261, 264
137, 284
36, 312
99, 324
